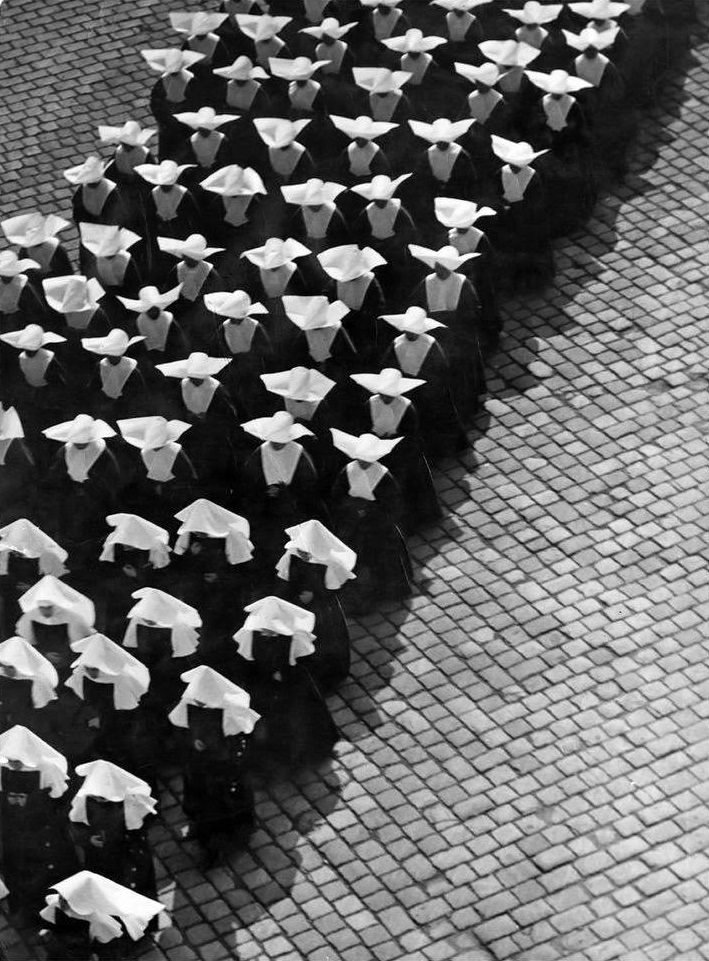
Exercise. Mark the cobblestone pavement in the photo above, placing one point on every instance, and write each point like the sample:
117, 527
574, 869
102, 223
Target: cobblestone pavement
524, 764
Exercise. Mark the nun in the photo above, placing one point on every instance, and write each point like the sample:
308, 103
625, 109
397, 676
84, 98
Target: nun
332, 49
163, 337
163, 633
385, 224
234, 193
195, 276
116, 385
314, 568
416, 353
445, 168
305, 96
78, 304
28, 683
281, 482
36, 236
512, 57
165, 478
40, 381
206, 405
26, 555
363, 158
537, 29
388, 414
105, 255
54, 615
244, 90
317, 223
558, 123
263, 30
20, 302
385, 19
288, 160
491, 113
218, 796
36, 849
385, 98
351, 271
460, 218
207, 148
108, 817
241, 337
367, 507
171, 210
522, 228
428, 83
130, 142
275, 646
18, 468
111, 683
463, 29
134, 550
96, 200
83, 482
322, 341
90, 916
216, 550
172, 92
200, 32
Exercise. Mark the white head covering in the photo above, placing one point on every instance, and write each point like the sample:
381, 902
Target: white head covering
465, 5
105, 780
447, 256
599, 9
164, 174
313, 313
234, 181
20, 744
312, 192
11, 265
10, 423
349, 261
114, 344
390, 382
198, 364
380, 3
30, 230
204, 517
363, 447
151, 297
242, 69
166, 611
25, 538
276, 252
130, 133
206, 118
441, 129
362, 127
83, 429
233, 303
280, 428
105, 240
487, 73
380, 79
130, 678
197, 24
29, 664
149, 433
301, 68
299, 383
314, 539
518, 154
130, 530
558, 81
281, 617
591, 38
452, 212
99, 901
89, 172
50, 590
414, 321
195, 247
330, 27
169, 60
31, 337
380, 187
535, 13
207, 688
509, 53
72, 293
413, 41
261, 26
277, 131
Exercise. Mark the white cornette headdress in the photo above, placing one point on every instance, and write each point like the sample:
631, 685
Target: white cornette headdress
314, 539
129, 677
105, 780
165, 611
25, 538
281, 617
130, 530
207, 688
29, 664
204, 517
20, 744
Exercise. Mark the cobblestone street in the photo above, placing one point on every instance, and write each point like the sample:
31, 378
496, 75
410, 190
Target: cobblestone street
523, 770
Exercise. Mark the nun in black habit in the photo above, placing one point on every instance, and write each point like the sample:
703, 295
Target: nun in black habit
26, 555
36, 236
242, 338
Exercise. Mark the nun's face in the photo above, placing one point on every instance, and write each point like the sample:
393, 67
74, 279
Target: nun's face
277, 445
314, 207
81, 446
153, 313
515, 168
414, 54
203, 131
128, 147
93, 184
8, 670
482, 87
241, 82
91, 672
114, 361
361, 142
303, 555
441, 271
301, 83
443, 145
381, 202
591, 53
387, 399
328, 40
364, 464
166, 188
235, 320
384, 11
411, 336
556, 96
190, 262
46, 610
196, 381
30, 353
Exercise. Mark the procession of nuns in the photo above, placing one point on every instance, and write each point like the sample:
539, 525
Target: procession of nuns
217, 424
